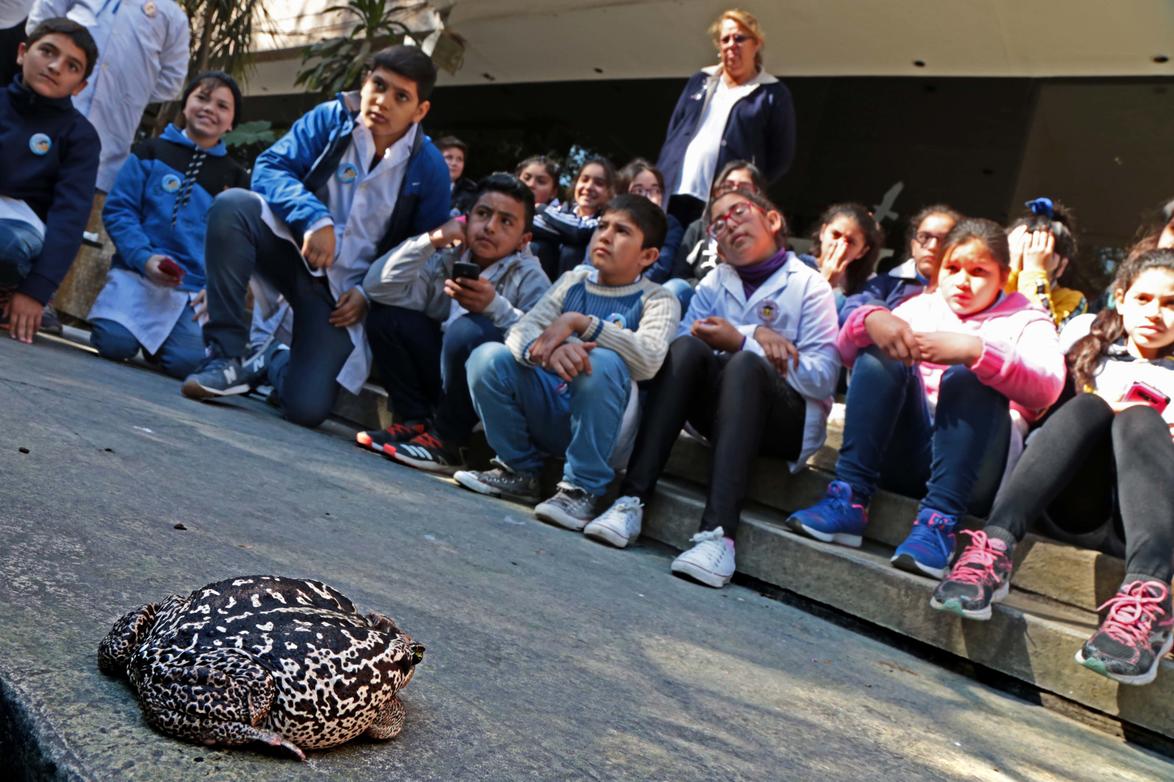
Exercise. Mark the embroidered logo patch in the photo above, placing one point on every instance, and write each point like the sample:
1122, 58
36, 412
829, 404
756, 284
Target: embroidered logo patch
347, 173
618, 319
40, 144
768, 311
149, 9
170, 183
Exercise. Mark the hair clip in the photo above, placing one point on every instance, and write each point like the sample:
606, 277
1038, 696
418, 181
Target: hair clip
1041, 206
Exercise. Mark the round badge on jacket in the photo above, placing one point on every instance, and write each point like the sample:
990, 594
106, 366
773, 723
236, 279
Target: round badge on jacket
618, 319
347, 173
149, 9
40, 144
768, 311
170, 183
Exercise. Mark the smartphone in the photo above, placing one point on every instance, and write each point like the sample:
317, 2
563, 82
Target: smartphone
1147, 394
466, 270
171, 268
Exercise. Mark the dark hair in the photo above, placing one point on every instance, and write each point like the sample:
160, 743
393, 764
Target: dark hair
1062, 224
609, 173
1153, 223
738, 165
409, 62
933, 209
634, 169
508, 185
758, 199
542, 160
71, 30
859, 270
451, 142
988, 232
210, 80
649, 217
1108, 327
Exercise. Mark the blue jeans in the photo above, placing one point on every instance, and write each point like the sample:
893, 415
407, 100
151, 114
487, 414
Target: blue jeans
178, 356
237, 244
953, 459
682, 290
19, 245
529, 413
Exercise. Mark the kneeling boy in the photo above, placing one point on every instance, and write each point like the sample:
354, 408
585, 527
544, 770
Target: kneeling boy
563, 379
431, 308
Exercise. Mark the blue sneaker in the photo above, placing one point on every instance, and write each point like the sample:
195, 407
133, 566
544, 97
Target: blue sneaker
929, 545
837, 518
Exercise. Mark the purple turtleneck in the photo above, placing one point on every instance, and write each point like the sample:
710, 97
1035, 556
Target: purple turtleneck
753, 275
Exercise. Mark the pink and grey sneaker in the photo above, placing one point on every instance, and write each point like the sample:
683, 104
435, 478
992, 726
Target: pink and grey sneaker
980, 576
1135, 635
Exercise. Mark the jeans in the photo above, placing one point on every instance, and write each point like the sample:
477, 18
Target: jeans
954, 458
20, 243
529, 413
682, 290
738, 401
239, 244
1087, 466
178, 356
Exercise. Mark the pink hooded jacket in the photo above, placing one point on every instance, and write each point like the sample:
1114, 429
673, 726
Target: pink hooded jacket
1021, 356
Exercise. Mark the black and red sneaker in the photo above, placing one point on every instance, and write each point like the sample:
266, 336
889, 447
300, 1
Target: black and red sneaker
427, 452
396, 433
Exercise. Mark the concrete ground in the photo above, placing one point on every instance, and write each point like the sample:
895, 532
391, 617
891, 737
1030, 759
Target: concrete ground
549, 656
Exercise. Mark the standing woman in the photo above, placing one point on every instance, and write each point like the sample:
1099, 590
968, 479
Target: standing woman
729, 111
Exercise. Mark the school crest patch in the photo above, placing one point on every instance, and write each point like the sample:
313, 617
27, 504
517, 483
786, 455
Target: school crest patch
768, 311
348, 173
40, 144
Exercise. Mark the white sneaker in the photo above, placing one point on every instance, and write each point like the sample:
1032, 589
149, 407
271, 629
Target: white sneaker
619, 525
710, 561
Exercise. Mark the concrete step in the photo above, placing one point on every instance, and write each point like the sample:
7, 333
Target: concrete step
1074, 576
1029, 637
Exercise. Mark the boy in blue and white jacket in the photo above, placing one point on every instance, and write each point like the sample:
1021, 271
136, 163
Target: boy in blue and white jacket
156, 215
352, 179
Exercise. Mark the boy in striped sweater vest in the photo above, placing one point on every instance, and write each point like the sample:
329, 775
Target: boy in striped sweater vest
564, 381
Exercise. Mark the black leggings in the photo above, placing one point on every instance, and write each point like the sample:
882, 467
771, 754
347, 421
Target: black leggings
736, 400
1087, 466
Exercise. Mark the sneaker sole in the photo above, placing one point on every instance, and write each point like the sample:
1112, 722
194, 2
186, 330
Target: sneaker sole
370, 445
466, 479
606, 535
839, 538
1141, 678
954, 605
425, 465
555, 515
700, 575
193, 389
910, 565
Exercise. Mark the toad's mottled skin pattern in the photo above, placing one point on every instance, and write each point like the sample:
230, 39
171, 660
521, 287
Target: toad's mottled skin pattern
264, 658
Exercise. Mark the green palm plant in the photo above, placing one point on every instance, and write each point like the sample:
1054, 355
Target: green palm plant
223, 33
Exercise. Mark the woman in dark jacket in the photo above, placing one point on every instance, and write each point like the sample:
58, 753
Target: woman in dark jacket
733, 110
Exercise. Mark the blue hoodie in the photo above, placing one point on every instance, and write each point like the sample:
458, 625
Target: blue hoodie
49, 160
160, 201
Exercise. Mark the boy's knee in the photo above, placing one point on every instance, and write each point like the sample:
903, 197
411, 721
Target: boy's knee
180, 364
306, 410
232, 202
608, 371
466, 334
113, 341
488, 360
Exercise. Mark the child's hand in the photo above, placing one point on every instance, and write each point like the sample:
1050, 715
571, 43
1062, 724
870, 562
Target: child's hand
718, 333
474, 295
200, 306
452, 232
571, 359
892, 336
318, 247
947, 347
778, 349
556, 334
24, 317
1037, 250
1015, 242
351, 308
833, 260
156, 275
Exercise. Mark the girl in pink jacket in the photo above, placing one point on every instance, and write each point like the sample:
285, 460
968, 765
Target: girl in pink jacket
932, 386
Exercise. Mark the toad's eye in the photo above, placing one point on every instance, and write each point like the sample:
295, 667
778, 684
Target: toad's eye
417, 653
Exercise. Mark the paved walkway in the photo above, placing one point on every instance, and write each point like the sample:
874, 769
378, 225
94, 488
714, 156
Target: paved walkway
549, 656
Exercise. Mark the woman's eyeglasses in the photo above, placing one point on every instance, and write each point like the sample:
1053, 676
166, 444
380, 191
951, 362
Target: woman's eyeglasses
737, 39
925, 237
736, 215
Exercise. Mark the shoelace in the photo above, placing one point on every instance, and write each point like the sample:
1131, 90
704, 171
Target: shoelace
976, 563
1133, 611
628, 503
712, 534
937, 521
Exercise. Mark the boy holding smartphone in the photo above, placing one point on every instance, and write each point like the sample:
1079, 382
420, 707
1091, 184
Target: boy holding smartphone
435, 298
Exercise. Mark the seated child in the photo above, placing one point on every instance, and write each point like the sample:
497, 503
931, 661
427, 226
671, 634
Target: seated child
846, 247
1042, 248
1102, 466
425, 320
928, 401
540, 174
563, 380
927, 237
464, 191
48, 166
753, 369
698, 251
641, 178
561, 233
156, 214
352, 179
